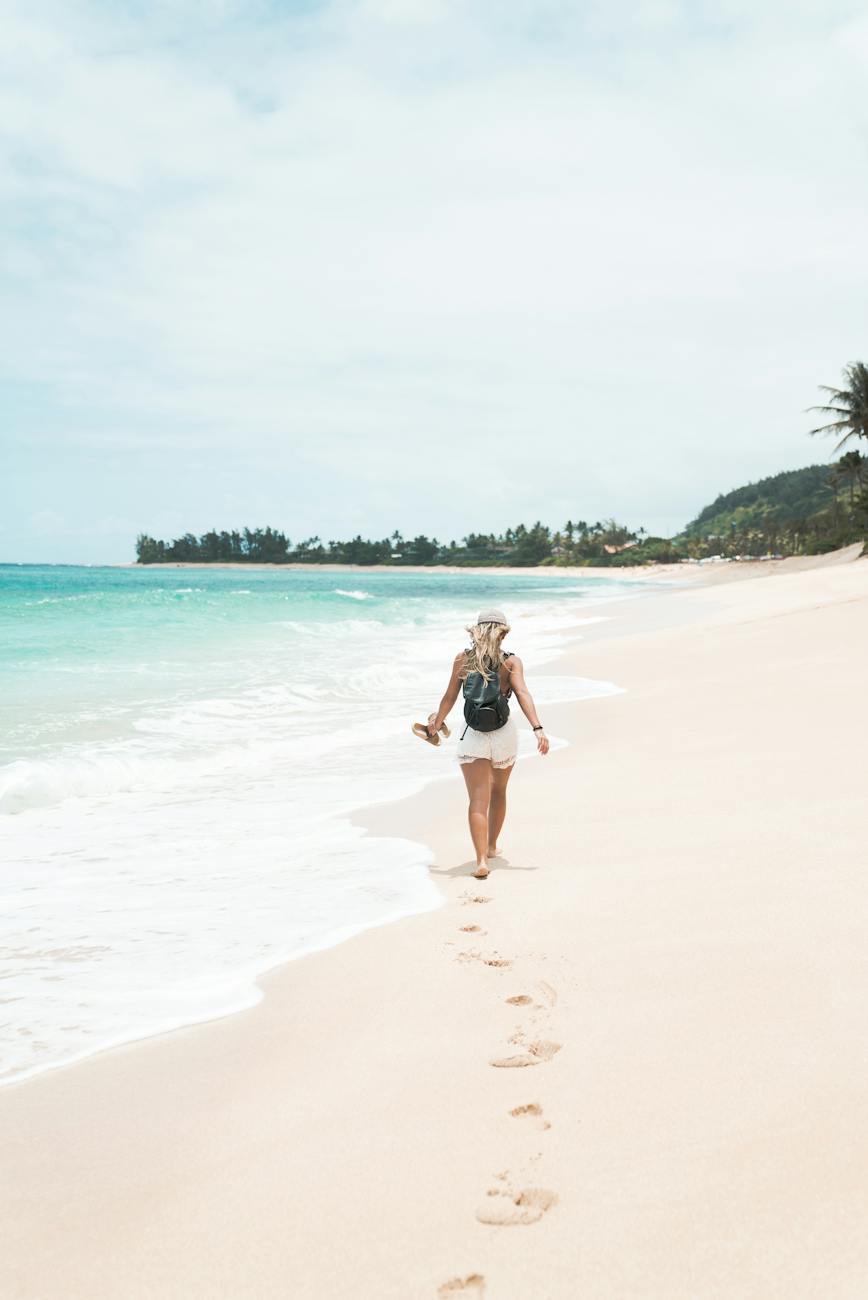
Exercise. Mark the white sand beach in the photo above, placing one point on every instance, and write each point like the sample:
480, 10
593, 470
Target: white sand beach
632, 1063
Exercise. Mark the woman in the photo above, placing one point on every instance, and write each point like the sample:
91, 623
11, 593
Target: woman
487, 757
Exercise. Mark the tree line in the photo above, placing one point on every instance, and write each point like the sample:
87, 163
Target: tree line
798, 512
578, 542
752, 521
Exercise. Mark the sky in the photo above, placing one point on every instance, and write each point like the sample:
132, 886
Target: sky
418, 264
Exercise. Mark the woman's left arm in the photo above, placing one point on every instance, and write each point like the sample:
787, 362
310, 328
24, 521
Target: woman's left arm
450, 695
525, 700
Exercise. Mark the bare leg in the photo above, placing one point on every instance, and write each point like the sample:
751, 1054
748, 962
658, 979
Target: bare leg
497, 807
477, 777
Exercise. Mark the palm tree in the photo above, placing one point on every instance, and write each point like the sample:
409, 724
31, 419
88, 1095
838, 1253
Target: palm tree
849, 405
850, 471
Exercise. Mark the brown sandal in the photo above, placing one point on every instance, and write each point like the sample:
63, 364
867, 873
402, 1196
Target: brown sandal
419, 729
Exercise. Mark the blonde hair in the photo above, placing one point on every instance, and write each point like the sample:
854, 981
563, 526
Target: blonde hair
485, 655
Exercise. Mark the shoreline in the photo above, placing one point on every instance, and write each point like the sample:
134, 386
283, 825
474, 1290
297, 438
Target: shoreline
237, 984
250, 991
338, 1035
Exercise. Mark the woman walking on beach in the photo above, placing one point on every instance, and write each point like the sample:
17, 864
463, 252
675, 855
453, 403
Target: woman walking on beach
488, 750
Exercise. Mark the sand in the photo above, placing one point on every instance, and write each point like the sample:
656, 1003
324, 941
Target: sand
631, 1064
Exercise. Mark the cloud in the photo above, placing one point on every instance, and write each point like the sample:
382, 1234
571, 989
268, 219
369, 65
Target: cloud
596, 256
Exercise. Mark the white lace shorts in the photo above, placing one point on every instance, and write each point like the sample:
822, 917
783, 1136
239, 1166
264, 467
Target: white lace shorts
499, 747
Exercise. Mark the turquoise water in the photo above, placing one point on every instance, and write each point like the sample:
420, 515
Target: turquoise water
180, 753
84, 648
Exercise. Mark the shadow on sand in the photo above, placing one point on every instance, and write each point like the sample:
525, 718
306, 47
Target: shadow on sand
468, 868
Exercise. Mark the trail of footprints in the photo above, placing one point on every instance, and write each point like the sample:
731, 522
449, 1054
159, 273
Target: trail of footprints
507, 1206
505, 1203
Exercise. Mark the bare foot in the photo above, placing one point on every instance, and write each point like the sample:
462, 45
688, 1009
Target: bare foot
494, 851
481, 871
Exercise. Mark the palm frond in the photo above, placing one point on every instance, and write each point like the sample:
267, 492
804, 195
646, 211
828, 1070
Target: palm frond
830, 428
831, 410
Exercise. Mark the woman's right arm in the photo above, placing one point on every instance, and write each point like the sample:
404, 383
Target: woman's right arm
450, 695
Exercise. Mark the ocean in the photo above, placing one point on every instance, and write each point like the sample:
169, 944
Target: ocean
181, 753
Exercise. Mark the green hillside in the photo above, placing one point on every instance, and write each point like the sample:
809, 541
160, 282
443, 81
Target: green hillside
782, 499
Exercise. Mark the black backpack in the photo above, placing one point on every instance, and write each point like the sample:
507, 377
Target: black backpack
485, 708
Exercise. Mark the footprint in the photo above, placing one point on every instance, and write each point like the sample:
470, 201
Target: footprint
472, 929
501, 963
512, 1209
537, 1053
514, 1062
475, 898
549, 995
531, 1111
544, 1049
472, 1285
520, 1000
